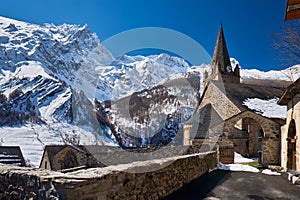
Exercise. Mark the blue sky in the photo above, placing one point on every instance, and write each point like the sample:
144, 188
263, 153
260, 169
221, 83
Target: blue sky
248, 25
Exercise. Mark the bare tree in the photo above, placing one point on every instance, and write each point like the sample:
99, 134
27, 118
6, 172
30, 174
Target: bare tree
287, 42
70, 138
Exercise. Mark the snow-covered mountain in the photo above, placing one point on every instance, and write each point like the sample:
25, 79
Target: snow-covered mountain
39, 67
288, 75
129, 74
58, 83
62, 50
43, 71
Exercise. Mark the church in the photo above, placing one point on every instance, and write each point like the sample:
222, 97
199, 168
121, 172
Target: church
223, 119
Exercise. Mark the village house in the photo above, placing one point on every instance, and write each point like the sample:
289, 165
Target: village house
61, 157
223, 117
12, 155
290, 143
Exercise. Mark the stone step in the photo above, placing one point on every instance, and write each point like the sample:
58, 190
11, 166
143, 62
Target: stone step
293, 176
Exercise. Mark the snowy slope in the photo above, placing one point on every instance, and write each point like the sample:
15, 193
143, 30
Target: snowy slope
39, 66
61, 49
41, 63
129, 74
290, 74
38, 93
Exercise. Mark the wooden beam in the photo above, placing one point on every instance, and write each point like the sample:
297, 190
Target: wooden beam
292, 9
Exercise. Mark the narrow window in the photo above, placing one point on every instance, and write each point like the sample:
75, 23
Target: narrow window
46, 164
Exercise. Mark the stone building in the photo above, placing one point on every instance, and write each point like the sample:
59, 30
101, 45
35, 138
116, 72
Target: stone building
290, 132
60, 157
225, 119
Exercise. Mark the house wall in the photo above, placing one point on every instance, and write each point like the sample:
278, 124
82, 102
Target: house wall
45, 163
292, 113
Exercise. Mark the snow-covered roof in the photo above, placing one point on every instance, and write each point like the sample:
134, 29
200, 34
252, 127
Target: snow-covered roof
238, 93
267, 108
290, 92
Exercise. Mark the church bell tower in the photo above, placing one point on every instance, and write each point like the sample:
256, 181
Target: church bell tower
221, 69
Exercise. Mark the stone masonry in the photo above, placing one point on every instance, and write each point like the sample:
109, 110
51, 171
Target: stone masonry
271, 139
127, 181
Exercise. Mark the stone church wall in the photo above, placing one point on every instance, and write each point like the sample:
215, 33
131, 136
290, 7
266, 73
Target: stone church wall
271, 139
221, 103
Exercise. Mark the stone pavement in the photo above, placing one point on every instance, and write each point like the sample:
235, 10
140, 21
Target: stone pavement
238, 185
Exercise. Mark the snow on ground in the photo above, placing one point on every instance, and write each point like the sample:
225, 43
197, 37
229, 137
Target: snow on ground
268, 108
31, 69
47, 111
238, 158
269, 172
237, 167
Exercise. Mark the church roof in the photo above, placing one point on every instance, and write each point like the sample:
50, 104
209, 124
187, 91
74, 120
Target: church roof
237, 93
290, 92
221, 55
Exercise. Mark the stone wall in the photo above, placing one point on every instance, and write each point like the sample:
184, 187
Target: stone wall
136, 180
116, 156
25, 183
270, 141
245, 136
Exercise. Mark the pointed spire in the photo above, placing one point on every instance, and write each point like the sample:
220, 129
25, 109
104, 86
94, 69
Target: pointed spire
221, 58
221, 69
